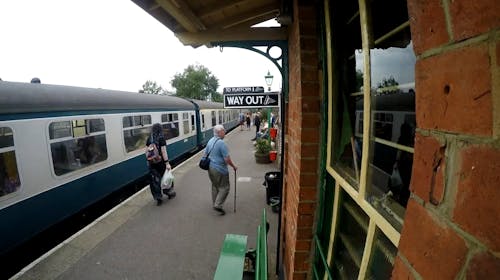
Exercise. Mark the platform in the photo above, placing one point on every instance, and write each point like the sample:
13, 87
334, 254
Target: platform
181, 239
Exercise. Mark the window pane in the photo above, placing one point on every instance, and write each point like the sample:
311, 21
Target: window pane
185, 125
79, 128
382, 258
74, 154
96, 125
214, 119
128, 121
171, 130
9, 176
347, 98
136, 138
393, 113
146, 119
60, 130
6, 137
350, 239
192, 123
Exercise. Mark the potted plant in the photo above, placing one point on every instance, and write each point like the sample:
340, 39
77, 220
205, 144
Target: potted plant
263, 146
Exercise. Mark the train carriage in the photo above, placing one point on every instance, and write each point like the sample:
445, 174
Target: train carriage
64, 148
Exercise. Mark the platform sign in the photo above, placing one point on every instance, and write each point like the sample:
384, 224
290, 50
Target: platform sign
255, 100
242, 90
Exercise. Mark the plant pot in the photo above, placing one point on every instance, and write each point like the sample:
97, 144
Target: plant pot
272, 132
262, 158
273, 155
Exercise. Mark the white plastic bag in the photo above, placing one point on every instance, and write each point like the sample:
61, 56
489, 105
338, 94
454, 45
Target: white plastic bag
167, 180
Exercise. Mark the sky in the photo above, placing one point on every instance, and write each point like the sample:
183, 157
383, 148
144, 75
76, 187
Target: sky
110, 44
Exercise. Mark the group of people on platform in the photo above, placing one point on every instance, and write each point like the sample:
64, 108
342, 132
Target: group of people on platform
216, 149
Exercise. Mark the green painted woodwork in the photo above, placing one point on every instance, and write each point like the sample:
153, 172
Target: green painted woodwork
232, 258
261, 262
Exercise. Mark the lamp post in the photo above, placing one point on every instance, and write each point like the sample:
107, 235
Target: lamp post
269, 82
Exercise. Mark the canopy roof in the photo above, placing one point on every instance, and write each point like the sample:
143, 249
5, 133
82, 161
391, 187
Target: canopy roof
208, 22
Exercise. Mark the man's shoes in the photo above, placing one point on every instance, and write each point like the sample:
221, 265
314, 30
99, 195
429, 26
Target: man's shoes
159, 202
252, 139
220, 210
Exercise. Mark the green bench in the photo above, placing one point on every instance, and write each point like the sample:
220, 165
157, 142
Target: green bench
232, 258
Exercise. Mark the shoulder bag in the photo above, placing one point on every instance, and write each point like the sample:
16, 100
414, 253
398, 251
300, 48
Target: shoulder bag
205, 160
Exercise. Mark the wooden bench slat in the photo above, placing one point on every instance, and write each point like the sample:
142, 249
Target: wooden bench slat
232, 258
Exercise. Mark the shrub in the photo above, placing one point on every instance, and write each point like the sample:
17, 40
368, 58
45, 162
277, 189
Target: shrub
263, 146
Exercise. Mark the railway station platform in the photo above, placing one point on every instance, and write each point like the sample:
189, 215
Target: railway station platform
181, 239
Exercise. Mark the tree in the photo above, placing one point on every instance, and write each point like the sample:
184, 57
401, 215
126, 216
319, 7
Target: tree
195, 82
151, 87
217, 97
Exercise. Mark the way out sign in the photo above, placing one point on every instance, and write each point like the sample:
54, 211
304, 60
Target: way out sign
251, 100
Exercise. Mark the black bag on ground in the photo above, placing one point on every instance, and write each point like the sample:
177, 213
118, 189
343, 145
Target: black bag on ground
205, 160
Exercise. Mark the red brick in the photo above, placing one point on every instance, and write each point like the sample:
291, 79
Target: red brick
427, 180
308, 165
306, 207
303, 245
472, 18
310, 120
310, 104
305, 221
427, 24
310, 136
309, 149
454, 91
299, 276
304, 233
434, 250
309, 73
310, 89
308, 181
498, 54
483, 266
401, 271
477, 207
308, 43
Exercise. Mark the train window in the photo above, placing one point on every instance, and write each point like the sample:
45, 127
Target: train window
185, 123
136, 130
220, 116
192, 122
131, 121
202, 120
87, 145
214, 119
170, 125
60, 130
9, 175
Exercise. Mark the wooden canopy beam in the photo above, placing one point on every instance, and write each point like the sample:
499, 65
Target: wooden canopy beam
179, 10
232, 34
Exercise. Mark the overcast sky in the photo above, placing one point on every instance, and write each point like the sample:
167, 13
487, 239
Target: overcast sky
111, 44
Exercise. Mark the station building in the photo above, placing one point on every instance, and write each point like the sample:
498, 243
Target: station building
391, 156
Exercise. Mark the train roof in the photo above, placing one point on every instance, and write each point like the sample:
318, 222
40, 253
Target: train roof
202, 104
35, 98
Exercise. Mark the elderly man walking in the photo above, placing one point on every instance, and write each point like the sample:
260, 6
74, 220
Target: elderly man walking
218, 171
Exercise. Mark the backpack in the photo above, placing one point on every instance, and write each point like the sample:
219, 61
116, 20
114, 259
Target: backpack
153, 153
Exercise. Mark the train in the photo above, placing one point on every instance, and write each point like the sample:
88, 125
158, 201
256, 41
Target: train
63, 148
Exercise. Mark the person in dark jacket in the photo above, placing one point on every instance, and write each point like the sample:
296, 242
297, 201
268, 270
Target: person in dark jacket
256, 122
156, 170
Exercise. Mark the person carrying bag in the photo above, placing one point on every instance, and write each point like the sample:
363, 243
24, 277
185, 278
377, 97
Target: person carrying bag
205, 160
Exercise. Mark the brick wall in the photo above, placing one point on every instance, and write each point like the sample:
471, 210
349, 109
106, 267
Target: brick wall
452, 228
302, 143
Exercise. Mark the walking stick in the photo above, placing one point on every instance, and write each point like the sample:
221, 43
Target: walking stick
234, 206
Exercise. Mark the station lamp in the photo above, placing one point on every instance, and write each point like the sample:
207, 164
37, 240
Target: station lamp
269, 80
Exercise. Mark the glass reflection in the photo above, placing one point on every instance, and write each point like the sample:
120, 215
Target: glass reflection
392, 131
